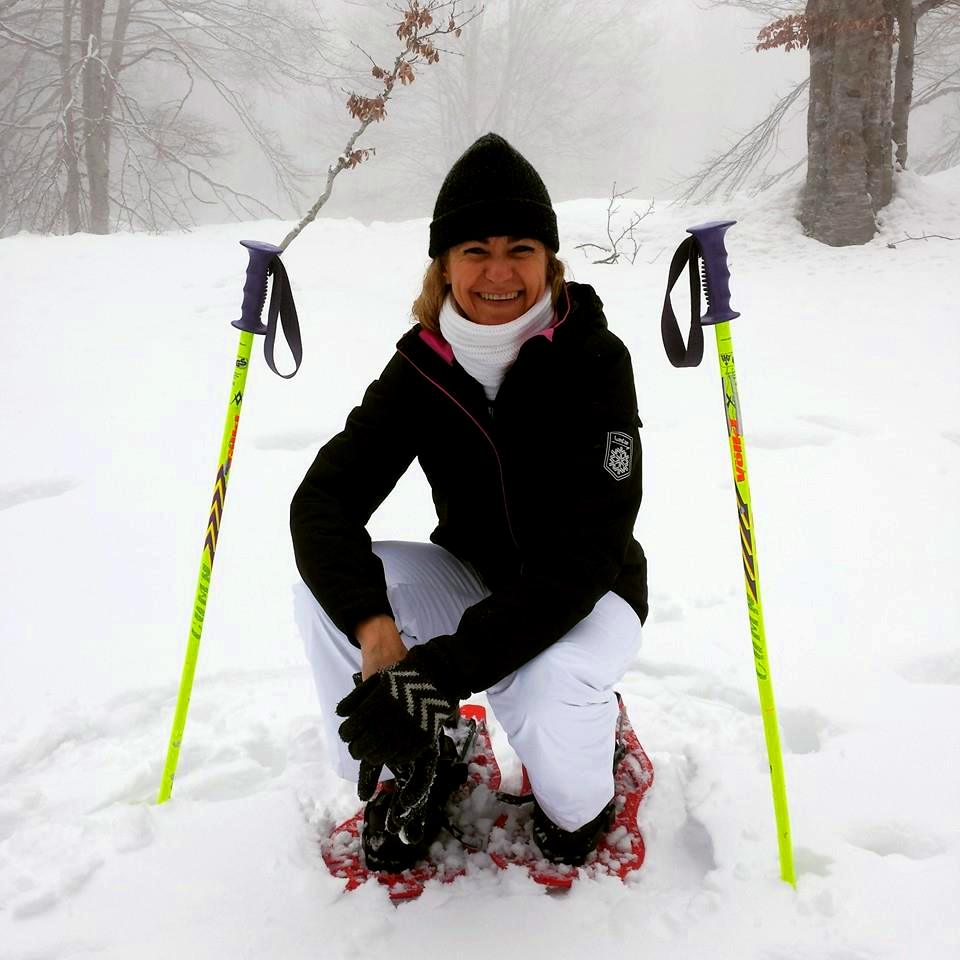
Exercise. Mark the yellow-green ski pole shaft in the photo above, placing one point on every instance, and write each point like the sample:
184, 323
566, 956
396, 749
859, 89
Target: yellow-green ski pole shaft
751, 575
263, 259
706, 245
230, 426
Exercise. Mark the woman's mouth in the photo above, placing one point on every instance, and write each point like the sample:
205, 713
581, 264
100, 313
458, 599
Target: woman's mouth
496, 297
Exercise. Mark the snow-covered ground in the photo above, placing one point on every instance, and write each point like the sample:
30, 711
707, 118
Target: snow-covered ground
116, 364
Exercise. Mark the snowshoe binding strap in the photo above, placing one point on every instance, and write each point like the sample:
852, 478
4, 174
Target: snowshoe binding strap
514, 799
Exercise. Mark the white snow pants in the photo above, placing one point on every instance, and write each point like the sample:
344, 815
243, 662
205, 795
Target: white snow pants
558, 711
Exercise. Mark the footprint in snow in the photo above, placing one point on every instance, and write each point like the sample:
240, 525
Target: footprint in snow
13, 494
45, 864
951, 436
939, 668
232, 769
677, 841
838, 424
807, 861
787, 441
224, 782
804, 730
695, 838
896, 839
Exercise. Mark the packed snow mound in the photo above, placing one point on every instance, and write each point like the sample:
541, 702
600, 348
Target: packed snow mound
923, 206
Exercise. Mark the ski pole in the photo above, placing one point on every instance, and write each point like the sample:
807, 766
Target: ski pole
263, 260
706, 243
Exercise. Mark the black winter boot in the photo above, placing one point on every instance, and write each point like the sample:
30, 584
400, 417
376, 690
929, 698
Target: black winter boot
384, 850
570, 846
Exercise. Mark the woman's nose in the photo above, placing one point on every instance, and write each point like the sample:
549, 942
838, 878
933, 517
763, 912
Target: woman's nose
499, 269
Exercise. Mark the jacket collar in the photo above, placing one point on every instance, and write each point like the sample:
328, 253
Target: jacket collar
579, 309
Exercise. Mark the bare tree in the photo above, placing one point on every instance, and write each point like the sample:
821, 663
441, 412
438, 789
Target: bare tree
97, 97
930, 56
849, 169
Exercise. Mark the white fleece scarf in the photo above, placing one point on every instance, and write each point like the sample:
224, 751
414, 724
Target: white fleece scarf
486, 352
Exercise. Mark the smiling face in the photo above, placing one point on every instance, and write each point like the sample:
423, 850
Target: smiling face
498, 279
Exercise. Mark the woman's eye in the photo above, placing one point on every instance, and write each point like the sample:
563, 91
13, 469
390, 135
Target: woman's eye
473, 251
522, 248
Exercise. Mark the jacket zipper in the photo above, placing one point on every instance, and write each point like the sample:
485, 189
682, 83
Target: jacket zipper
485, 432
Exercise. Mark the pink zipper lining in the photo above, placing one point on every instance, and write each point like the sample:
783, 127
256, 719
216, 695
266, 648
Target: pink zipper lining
438, 345
552, 329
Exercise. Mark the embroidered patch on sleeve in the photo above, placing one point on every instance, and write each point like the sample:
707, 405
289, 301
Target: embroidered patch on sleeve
619, 458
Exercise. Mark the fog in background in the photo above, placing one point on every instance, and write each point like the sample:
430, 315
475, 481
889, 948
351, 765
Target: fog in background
643, 93
640, 93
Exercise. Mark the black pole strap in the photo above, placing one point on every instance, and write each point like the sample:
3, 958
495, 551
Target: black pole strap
282, 305
682, 354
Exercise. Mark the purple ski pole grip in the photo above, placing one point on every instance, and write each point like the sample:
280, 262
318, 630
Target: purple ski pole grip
255, 287
716, 274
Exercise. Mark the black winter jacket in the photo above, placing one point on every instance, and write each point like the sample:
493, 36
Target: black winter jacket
539, 491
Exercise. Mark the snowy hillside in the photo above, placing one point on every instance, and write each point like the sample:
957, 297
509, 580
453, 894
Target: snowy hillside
116, 365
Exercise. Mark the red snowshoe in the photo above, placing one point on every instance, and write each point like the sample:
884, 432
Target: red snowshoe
487, 828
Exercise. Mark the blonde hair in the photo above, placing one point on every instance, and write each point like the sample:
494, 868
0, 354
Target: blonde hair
426, 308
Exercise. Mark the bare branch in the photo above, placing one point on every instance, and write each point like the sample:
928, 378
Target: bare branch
416, 32
32, 42
730, 171
925, 236
626, 236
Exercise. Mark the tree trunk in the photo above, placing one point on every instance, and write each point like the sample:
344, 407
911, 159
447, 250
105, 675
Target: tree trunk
903, 82
114, 65
878, 108
849, 162
68, 108
94, 103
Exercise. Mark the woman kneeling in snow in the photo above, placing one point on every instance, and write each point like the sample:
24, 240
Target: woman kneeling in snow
520, 406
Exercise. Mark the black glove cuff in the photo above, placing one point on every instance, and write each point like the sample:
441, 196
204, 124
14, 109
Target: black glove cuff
432, 662
415, 690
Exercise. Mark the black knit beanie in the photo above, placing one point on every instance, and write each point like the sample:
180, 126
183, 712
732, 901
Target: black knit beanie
492, 191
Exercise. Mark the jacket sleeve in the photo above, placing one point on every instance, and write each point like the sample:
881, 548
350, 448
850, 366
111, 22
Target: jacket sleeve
350, 477
577, 526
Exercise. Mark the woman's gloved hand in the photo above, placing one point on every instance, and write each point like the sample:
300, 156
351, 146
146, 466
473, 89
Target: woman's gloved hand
408, 806
395, 715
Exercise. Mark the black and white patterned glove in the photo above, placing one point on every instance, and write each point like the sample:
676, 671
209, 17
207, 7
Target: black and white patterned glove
395, 715
410, 805
369, 780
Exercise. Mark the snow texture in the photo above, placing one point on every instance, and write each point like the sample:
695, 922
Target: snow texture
116, 367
